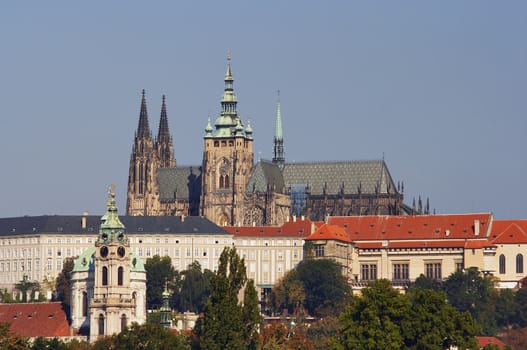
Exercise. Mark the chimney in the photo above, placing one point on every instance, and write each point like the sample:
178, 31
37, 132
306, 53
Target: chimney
476, 227
84, 220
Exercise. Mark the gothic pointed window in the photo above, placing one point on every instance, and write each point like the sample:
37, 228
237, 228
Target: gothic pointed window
104, 276
519, 263
224, 174
120, 276
502, 266
101, 324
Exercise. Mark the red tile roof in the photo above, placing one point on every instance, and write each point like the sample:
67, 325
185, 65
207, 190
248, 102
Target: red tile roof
36, 319
509, 231
329, 232
294, 228
484, 341
414, 227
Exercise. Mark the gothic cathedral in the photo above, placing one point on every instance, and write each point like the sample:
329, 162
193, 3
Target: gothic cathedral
228, 188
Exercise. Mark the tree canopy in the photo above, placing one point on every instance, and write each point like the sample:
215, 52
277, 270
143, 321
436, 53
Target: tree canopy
316, 285
383, 318
159, 271
227, 322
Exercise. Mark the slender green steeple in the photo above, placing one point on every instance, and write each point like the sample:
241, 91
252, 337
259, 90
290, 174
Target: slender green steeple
278, 150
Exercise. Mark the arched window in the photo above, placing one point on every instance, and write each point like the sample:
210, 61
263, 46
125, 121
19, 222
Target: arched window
226, 181
101, 324
502, 264
519, 263
84, 303
221, 182
123, 322
120, 276
104, 276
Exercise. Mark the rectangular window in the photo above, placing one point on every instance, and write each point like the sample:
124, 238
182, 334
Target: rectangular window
59, 265
148, 252
50, 265
433, 271
166, 251
280, 255
459, 266
401, 272
368, 272
319, 250
188, 251
50, 251
176, 252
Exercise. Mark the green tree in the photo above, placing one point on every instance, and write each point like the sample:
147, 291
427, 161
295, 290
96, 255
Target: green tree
228, 323
193, 290
372, 321
326, 290
288, 293
25, 286
506, 308
148, 336
159, 271
11, 341
383, 318
41, 343
471, 291
63, 283
322, 331
431, 323
520, 300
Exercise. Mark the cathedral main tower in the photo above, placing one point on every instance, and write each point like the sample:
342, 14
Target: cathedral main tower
228, 161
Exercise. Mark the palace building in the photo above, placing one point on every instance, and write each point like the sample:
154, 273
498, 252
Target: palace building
228, 188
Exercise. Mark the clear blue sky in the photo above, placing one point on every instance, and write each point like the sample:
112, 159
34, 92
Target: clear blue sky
439, 88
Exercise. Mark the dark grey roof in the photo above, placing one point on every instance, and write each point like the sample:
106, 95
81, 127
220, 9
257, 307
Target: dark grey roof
179, 182
334, 175
62, 224
266, 173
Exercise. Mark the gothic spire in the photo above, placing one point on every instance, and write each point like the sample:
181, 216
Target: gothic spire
278, 150
163, 134
143, 130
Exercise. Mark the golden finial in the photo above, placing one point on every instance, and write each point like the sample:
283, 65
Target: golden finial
229, 55
111, 190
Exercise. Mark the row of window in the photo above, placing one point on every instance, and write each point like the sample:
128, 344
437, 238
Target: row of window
503, 264
19, 266
401, 271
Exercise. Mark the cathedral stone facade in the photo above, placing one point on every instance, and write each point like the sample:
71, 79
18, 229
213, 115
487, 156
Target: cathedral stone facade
228, 188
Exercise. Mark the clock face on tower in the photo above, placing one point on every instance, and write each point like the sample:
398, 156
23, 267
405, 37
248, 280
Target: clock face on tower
121, 251
104, 251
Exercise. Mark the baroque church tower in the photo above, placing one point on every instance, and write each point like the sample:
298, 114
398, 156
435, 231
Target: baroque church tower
148, 155
227, 161
108, 281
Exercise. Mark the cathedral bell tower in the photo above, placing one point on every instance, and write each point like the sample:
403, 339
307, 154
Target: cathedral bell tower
227, 161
